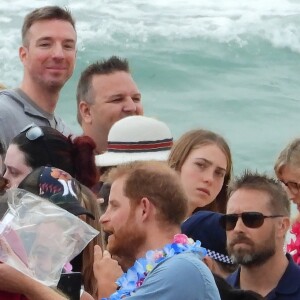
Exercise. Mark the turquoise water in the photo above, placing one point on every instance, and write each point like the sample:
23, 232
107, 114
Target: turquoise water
230, 66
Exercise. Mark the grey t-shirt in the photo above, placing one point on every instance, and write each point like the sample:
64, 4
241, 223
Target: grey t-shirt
17, 111
183, 276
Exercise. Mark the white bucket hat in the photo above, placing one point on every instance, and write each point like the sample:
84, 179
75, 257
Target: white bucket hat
136, 138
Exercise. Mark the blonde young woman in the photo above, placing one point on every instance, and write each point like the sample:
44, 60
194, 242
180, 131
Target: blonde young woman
203, 161
287, 169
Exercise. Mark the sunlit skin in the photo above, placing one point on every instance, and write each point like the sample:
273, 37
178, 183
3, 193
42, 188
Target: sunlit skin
291, 174
119, 221
16, 168
244, 242
115, 96
49, 59
202, 175
116, 214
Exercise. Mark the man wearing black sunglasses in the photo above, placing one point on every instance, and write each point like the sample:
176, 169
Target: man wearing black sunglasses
256, 223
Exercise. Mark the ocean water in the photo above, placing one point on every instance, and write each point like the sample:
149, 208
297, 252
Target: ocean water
225, 65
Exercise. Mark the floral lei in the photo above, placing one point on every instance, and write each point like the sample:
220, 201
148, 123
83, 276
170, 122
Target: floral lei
294, 245
135, 276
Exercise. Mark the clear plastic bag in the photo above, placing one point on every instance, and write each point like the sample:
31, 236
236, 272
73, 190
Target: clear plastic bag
38, 238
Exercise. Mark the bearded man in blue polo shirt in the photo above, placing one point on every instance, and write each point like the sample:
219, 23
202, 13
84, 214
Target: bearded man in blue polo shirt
256, 221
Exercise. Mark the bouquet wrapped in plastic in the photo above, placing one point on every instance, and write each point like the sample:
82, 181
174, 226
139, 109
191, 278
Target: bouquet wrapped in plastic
38, 237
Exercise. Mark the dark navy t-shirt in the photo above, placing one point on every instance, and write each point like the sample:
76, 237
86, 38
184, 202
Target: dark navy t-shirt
288, 287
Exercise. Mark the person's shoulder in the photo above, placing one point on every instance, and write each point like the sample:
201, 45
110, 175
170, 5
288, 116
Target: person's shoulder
8, 100
289, 286
9, 93
188, 259
168, 280
187, 265
287, 281
191, 264
292, 269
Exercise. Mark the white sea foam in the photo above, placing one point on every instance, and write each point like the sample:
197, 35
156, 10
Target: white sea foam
221, 20
230, 66
135, 24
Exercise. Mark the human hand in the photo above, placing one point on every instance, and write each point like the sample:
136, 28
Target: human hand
106, 271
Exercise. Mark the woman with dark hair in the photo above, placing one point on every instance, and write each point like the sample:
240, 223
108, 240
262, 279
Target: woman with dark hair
203, 161
41, 146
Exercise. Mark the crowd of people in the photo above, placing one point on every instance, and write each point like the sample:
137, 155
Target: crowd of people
173, 222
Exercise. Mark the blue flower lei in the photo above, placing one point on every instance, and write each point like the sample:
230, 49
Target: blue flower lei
135, 276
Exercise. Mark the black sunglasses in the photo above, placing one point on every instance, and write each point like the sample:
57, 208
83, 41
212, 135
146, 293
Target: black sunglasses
250, 219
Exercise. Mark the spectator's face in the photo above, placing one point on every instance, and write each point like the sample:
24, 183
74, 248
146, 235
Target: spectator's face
253, 246
120, 223
115, 96
202, 175
49, 56
290, 176
16, 167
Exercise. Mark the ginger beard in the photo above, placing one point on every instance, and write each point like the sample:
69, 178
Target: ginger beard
125, 243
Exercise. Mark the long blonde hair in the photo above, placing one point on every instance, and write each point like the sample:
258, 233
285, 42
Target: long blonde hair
289, 156
194, 139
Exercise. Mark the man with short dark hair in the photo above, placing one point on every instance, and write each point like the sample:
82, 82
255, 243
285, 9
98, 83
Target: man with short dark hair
256, 221
106, 93
146, 207
48, 55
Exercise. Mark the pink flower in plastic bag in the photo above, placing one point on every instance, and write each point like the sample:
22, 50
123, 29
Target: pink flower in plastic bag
68, 267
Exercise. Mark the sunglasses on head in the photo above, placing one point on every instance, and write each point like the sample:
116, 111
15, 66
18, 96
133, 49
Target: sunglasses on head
33, 132
294, 187
250, 219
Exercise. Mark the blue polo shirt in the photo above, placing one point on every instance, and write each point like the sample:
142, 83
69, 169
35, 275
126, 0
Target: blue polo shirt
288, 287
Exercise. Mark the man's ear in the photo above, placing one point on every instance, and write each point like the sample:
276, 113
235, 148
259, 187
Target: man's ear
146, 208
85, 112
283, 226
23, 54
